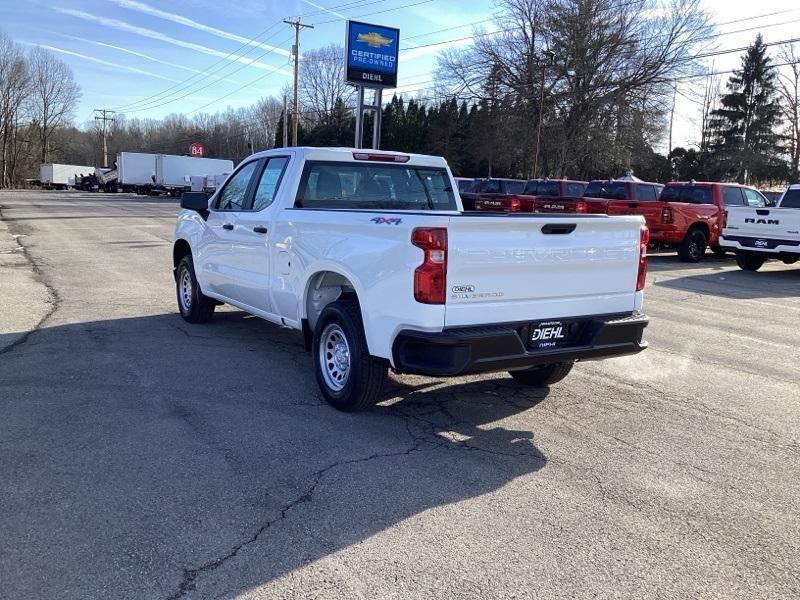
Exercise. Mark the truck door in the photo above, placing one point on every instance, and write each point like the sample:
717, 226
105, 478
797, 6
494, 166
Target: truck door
250, 256
214, 258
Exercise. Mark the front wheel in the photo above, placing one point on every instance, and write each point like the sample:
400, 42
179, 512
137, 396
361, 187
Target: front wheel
693, 247
749, 262
349, 378
542, 376
195, 306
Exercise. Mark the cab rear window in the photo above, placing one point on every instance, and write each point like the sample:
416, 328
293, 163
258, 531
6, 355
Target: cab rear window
791, 199
689, 194
327, 184
609, 190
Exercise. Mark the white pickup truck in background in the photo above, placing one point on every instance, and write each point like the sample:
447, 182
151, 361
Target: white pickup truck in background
758, 234
369, 255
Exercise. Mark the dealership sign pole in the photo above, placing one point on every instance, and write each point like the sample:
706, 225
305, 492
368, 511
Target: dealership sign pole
371, 63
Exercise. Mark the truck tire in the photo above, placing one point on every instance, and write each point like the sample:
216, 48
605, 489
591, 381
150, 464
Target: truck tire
749, 261
790, 261
349, 378
194, 306
693, 247
542, 376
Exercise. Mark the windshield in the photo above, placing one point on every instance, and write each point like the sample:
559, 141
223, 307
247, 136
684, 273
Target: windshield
690, 194
611, 190
374, 186
791, 199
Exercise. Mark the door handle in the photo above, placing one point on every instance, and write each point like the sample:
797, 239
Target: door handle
260, 229
228, 226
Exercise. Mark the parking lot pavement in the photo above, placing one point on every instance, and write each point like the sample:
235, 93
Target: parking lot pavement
143, 457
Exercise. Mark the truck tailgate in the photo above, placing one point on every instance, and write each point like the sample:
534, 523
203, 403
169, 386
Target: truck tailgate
650, 209
522, 268
762, 223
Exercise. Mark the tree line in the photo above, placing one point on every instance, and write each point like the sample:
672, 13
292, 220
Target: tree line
38, 95
591, 82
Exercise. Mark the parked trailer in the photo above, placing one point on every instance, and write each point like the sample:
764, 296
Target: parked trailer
136, 171
60, 177
173, 172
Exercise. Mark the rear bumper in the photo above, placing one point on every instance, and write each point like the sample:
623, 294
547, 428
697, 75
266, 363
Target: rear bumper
502, 347
767, 245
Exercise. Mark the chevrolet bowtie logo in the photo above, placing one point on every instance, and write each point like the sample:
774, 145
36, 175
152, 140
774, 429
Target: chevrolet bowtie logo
374, 40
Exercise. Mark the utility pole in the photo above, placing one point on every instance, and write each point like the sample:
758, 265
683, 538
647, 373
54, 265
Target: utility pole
548, 58
285, 123
672, 115
296, 53
104, 115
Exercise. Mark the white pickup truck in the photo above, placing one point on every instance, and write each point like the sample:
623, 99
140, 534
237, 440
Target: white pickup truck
368, 254
758, 234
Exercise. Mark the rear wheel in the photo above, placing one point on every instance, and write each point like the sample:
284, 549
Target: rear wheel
693, 247
749, 261
542, 376
349, 378
195, 306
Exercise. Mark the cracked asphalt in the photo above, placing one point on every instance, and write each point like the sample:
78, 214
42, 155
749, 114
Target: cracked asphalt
142, 457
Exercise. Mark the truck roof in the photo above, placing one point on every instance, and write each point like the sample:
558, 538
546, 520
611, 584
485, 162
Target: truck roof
705, 183
348, 155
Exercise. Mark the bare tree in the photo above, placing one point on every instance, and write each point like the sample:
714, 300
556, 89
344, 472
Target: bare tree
613, 63
54, 95
13, 91
789, 91
322, 82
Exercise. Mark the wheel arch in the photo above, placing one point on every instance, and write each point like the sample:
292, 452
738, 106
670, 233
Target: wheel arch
180, 249
324, 286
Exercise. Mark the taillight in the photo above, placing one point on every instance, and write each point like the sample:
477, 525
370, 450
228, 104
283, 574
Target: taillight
644, 239
430, 276
581, 207
666, 215
514, 204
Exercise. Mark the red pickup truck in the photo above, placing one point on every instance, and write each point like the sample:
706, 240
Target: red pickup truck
599, 193
490, 190
689, 215
536, 193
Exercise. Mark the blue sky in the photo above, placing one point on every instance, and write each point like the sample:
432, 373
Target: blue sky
125, 50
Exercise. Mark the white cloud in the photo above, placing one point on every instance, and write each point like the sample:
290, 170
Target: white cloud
168, 16
127, 27
145, 56
327, 10
105, 62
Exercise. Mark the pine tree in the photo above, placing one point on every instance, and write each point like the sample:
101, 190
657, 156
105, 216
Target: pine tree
744, 129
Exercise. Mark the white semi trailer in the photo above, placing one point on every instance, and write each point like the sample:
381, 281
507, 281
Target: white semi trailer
136, 171
174, 172
60, 177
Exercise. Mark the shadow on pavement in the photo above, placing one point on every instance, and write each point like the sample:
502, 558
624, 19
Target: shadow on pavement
142, 455
735, 283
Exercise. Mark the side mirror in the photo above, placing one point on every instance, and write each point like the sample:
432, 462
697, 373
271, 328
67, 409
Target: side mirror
195, 201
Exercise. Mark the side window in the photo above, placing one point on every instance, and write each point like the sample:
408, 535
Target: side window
754, 198
268, 184
574, 190
233, 195
732, 196
645, 192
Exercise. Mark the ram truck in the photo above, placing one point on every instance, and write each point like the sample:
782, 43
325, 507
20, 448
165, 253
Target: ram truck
537, 193
689, 215
759, 234
600, 193
491, 189
370, 256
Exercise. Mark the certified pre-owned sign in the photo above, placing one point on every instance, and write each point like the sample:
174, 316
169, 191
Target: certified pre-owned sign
372, 54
